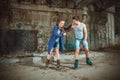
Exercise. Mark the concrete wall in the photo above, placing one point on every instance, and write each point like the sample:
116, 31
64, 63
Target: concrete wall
25, 16
100, 25
42, 18
117, 26
101, 30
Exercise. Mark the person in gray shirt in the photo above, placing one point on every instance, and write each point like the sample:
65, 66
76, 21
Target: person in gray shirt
80, 32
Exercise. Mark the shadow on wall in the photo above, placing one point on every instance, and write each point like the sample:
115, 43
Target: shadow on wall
17, 41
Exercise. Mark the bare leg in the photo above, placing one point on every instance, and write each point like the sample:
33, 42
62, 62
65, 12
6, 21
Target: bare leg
76, 58
87, 53
88, 61
48, 59
57, 53
49, 55
58, 57
76, 54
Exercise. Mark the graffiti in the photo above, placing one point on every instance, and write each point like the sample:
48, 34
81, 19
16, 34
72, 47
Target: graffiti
69, 41
54, 18
18, 25
101, 35
76, 2
42, 38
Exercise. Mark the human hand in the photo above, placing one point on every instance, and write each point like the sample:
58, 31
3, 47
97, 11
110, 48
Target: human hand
64, 33
84, 41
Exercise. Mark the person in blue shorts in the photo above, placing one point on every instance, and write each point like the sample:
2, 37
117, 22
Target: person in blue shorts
80, 32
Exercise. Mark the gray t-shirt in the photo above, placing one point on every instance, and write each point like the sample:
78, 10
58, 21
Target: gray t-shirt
78, 31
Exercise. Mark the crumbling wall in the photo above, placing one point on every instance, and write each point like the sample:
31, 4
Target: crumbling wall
117, 26
41, 16
42, 19
101, 30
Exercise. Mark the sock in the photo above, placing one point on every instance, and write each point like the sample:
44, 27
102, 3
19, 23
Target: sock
87, 58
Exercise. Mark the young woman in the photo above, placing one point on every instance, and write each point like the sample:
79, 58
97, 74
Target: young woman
56, 41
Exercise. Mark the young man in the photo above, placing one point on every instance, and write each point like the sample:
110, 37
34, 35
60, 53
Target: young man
56, 41
80, 38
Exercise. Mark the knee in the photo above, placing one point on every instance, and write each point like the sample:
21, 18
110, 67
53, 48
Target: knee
76, 51
87, 51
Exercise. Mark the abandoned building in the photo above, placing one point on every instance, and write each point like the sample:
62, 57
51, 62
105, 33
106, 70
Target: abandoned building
26, 25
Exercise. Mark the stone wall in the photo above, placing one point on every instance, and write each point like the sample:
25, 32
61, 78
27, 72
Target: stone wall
41, 18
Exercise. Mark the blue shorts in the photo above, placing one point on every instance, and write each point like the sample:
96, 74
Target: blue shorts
78, 43
57, 45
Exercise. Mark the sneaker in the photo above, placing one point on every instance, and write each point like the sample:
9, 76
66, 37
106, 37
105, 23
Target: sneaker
89, 62
76, 64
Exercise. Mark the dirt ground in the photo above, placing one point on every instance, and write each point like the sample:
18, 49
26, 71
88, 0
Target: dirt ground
106, 67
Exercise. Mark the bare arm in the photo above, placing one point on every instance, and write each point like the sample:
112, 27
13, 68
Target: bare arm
85, 32
69, 28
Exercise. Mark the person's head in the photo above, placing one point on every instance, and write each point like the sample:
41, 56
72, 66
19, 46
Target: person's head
61, 23
75, 19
